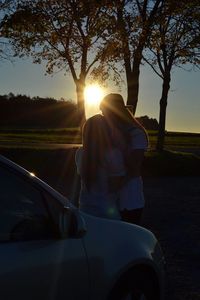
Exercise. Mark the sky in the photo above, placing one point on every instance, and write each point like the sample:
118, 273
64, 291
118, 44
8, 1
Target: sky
183, 110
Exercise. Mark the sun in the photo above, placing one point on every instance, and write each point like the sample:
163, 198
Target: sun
93, 94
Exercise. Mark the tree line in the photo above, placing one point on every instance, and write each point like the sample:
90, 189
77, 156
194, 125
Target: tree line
21, 111
103, 39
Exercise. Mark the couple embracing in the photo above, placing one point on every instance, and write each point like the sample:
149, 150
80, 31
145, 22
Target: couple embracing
109, 163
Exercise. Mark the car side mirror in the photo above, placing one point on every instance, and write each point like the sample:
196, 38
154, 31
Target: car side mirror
71, 223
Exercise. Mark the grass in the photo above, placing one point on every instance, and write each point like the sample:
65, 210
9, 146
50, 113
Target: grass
171, 163
31, 149
177, 139
56, 162
39, 136
36, 137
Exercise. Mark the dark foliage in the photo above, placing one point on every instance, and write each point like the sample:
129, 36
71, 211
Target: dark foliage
148, 123
22, 111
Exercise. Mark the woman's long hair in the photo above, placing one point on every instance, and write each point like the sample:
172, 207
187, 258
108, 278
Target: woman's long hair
118, 115
96, 142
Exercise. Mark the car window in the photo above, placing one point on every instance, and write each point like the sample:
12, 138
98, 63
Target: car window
23, 215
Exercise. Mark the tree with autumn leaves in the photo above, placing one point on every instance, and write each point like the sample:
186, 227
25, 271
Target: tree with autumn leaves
61, 33
6, 52
92, 38
174, 42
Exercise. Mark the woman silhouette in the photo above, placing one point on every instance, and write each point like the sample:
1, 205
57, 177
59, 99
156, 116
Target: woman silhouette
101, 168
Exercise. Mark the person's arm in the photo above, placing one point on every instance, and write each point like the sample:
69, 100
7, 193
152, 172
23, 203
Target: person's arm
115, 183
138, 145
78, 159
134, 163
133, 169
116, 170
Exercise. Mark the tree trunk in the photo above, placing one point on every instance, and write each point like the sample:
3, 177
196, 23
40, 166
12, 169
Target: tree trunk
80, 85
162, 115
133, 80
133, 89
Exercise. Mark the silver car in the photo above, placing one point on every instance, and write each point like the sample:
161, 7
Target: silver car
50, 250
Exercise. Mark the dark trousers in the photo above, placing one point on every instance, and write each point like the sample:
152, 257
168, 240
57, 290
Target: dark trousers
133, 216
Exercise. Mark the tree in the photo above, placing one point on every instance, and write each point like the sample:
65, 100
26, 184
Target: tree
175, 41
62, 33
130, 26
5, 49
21, 111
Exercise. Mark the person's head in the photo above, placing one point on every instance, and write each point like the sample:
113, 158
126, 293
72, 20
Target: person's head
96, 142
112, 107
116, 112
95, 133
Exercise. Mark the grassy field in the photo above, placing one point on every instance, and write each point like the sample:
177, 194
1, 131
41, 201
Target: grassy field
177, 139
33, 150
36, 137
57, 166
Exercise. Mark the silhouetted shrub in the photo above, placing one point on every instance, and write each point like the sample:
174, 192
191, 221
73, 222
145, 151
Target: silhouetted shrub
148, 123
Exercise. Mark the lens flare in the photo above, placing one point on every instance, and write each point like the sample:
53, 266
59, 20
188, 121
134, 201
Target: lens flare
93, 95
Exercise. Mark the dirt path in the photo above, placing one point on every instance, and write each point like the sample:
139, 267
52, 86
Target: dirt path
173, 213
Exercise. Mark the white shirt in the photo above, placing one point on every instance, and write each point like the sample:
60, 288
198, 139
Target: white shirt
99, 201
131, 195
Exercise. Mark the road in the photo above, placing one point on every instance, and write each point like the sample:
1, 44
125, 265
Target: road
172, 213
